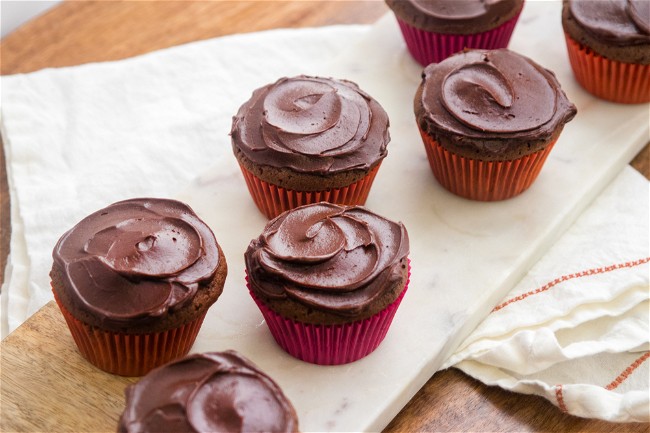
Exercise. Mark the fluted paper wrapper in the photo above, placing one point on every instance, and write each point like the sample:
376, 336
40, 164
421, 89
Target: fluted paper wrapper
330, 344
625, 83
483, 180
431, 47
272, 200
130, 354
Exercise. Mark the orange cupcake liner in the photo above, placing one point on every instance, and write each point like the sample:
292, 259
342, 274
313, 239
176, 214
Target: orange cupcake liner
130, 354
272, 200
625, 83
483, 180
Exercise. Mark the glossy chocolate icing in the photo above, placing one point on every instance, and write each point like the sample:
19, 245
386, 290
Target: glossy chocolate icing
332, 258
136, 260
209, 392
311, 125
491, 100
617, 22
455, 16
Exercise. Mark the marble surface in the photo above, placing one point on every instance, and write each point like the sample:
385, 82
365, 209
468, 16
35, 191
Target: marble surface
465, 255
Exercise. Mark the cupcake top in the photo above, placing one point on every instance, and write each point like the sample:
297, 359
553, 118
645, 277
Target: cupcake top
311, 125
337, 259
455, 16
491, 104
209, 392
619, 29
135, 260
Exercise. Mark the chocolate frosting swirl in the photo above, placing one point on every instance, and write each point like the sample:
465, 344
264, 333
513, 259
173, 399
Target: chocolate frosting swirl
332, 258
455, 16
210, 392
491, 95
135, 260
617, 22
311, 125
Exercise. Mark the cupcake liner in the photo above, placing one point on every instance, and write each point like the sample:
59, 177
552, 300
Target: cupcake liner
430, 47
614, 81
330, 344
483, 180
130, 354
272, 200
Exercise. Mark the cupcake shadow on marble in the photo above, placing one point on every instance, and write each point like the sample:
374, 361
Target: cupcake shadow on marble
307, 139
328, 280
134, 282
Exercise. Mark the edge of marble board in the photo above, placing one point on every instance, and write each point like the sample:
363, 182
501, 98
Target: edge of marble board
473, 318
388, 407
589, 190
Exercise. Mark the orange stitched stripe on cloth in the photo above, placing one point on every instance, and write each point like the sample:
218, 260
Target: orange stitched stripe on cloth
586, 273
621, 377
560, 398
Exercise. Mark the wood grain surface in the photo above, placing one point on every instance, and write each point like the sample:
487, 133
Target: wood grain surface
32, 373
54, 389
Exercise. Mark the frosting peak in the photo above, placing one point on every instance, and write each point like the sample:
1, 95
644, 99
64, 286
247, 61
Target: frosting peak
639, 13
142, 248
491, 101
136, 259
620, 22
329, 257
210, 392
455, 16
313, 125
481, 96
455, 9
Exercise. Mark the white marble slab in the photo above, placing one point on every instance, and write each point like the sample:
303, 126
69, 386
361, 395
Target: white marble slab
465, 255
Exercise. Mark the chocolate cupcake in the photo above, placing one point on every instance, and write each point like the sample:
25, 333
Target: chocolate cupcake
436, 29
488, 120
328, 280
307, 139
134, 281
209, 392
609, 47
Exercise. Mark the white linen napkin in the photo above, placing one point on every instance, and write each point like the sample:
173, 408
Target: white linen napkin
576, 328
62, 129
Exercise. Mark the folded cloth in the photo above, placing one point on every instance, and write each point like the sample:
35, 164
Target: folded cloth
576, 328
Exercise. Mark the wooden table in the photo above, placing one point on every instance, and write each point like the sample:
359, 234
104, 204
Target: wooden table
78, 32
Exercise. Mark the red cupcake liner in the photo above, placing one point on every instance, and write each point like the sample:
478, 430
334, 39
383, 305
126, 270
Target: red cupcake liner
431, 47
625, 83
483, 180
330, 344
130, 354
272, 200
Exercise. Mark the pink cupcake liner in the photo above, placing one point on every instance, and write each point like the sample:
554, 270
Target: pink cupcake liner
625, 83
430, 47
272, 200
130, 354
483, 180
330, 344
